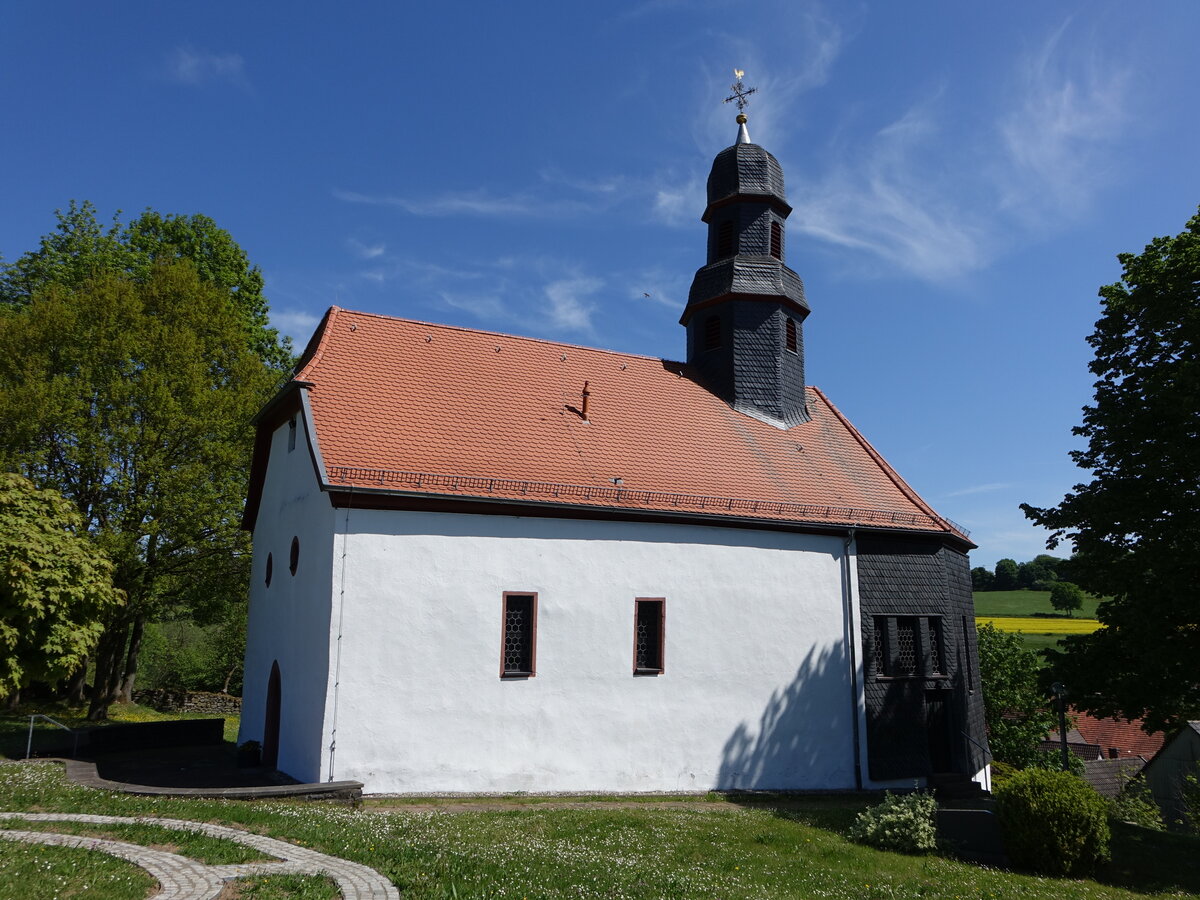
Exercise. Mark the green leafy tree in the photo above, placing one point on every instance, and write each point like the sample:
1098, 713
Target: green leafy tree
1016, 712
1006, 575
982, 579
1059, 569
1066, 597
56, 588
80, 249
133, 398
1136, 524
1033, 573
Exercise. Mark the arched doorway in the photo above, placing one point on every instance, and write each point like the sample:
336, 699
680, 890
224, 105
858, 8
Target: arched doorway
270, 741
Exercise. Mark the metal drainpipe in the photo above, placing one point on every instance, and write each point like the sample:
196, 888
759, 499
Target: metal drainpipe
851, 645
337, 670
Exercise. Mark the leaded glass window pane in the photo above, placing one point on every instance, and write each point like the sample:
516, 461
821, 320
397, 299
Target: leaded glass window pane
518, 634
648, 636
936, 664
880, 655
906, 646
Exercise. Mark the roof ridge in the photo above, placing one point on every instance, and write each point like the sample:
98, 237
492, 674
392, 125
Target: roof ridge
316, 344
503, 334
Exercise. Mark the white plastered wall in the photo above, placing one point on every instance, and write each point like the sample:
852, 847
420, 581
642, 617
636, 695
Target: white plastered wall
756, 693
289, 620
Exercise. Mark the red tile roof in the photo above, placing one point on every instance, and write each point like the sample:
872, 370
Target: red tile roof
1118, 738
424, 409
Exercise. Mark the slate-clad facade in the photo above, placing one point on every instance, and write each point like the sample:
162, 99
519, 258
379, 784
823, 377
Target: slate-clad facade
930, 720
742, 299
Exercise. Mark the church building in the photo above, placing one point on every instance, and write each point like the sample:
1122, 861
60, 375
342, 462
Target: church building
490, 563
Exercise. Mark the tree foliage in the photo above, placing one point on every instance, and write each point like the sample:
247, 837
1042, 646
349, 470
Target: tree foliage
55, 586
1066, 597
132, 396
1006, 575
1136, 524
982, 579
80, 249
1015, 709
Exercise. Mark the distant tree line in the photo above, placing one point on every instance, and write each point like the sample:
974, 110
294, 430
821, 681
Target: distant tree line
1039, 574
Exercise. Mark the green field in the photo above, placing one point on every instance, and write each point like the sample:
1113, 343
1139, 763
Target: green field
1025, 603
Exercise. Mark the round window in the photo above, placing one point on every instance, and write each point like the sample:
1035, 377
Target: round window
295, 558
270, 568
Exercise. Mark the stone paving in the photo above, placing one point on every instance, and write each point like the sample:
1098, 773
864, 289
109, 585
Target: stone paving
186, 879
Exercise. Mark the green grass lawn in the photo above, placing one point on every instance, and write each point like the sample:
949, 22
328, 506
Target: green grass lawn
14, 725
1025, 603
706, 849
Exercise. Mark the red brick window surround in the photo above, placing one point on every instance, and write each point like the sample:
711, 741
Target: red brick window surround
518, 635
649, 633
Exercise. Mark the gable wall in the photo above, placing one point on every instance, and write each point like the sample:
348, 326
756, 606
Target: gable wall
756, 691
289, 621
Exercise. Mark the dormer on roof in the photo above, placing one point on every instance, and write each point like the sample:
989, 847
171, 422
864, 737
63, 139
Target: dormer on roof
746, 309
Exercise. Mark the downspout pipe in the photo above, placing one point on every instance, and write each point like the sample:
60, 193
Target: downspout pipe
852, 653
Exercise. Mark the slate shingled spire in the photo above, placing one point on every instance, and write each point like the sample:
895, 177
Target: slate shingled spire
746, 309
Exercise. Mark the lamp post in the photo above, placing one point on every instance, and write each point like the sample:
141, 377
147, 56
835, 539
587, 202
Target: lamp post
1060, 696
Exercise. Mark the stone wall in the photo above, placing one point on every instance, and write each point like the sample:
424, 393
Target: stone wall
167, 700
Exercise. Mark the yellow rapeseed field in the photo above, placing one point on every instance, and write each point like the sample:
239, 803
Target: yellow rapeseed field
1039, 624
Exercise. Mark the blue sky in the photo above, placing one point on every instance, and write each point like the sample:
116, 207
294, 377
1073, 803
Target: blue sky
963, 176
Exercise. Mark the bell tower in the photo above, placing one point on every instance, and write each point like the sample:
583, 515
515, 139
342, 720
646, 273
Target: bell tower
746, 309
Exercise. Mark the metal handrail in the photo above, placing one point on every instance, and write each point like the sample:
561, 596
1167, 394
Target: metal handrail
975, 742
73, 732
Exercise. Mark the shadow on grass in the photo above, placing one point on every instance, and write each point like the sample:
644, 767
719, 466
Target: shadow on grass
832, 812
1152, 861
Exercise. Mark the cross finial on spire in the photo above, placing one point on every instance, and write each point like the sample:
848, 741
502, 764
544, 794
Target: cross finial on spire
740, 92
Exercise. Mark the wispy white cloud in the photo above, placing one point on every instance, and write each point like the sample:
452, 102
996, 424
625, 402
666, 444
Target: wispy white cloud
474, 203
569, 309
941, 191
980, 489
887, 201
1073, 102
366, 251
294, 323
660, 286
677, 201
194, 67
487, 307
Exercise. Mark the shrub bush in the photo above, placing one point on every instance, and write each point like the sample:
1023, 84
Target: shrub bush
905, 823
1135, 806
1053, 822
1189, 791
1001, 772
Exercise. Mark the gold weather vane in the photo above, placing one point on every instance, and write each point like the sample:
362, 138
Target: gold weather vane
740, 92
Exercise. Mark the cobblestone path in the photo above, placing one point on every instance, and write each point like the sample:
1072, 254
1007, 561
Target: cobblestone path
186, 879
